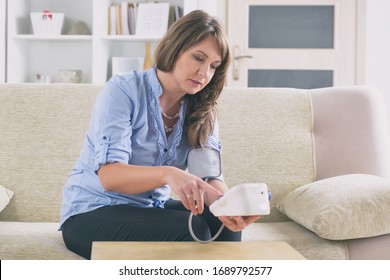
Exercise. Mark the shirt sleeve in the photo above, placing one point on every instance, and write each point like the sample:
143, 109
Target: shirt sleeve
112, 125
214, 142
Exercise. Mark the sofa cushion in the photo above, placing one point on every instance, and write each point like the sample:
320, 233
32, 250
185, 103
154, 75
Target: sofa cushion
310, 245
5, 197
33, 241
342, 207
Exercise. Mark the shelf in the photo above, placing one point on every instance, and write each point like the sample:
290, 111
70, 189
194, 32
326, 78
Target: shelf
130, 38
53, 38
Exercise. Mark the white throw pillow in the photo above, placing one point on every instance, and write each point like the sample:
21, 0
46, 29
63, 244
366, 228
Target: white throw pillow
342, 207
5, 197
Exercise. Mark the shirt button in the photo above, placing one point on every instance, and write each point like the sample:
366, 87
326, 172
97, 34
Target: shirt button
165, 150
104, 137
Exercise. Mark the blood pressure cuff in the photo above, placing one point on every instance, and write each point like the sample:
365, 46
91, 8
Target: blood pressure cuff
205, 163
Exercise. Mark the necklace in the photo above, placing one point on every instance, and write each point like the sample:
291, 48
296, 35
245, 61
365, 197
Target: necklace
165, 115
168, 129
169, 117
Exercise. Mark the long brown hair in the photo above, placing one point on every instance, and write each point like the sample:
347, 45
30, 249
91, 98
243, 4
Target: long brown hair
181, 36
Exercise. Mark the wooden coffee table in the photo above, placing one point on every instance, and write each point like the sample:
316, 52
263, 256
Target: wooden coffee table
261, 250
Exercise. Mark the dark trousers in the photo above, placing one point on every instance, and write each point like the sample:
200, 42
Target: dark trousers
129, 223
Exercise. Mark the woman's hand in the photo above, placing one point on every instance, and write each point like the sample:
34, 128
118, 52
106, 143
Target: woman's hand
234, 223
190, 189
237, 223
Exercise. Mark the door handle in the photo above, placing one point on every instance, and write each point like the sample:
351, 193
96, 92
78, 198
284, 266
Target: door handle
236, 64
242, 56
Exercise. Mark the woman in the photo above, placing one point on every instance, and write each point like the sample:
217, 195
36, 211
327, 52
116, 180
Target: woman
142, 127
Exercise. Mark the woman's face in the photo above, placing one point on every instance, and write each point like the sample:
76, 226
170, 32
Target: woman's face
196, 66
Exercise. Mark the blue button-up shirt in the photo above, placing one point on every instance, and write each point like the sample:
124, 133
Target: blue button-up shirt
126, 126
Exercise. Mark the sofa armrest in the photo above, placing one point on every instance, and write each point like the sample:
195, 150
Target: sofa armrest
351, 132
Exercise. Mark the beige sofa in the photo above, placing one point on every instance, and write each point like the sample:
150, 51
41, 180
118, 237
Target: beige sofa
288, 138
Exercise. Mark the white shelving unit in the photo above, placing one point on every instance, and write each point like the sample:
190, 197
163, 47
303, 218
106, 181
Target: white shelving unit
29, 55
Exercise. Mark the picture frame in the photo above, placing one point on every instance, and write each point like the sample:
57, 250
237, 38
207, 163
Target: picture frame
123, 65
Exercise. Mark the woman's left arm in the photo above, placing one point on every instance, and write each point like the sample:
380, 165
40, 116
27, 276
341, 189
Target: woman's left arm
234, 223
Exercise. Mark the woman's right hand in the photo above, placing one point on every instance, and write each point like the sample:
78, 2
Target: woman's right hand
189, 188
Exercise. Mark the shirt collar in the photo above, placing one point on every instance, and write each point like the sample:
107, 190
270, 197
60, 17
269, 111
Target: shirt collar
154, 82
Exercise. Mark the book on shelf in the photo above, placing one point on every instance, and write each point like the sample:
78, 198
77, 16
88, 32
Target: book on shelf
119, 21
152, 19
144, 19
123, 20
131, 19
175, 12
119, 30
178, 12
172, 16
112, 20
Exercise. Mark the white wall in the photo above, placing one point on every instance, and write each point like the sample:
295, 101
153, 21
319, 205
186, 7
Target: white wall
374, 65
3, 21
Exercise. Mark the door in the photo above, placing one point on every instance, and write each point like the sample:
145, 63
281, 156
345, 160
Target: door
292, 43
